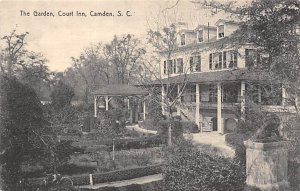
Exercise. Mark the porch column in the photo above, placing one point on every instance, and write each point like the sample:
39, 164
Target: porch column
219, 108
144, 110
163, 99
137, 109
95, 106
283, 97
243, 100
179, 101
197, 113
107, 99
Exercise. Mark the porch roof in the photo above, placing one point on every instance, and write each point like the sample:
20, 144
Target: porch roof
120, 90
213, 76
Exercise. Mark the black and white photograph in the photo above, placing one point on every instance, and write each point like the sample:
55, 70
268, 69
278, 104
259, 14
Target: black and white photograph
157, 95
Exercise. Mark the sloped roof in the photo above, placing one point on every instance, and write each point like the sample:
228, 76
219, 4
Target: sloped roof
213, 76
120, 90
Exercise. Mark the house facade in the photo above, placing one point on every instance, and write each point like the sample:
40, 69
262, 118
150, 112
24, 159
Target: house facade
216, 77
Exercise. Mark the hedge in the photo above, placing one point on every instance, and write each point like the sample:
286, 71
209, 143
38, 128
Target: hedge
125, 144
84, 179
81, 179
150, 186
126, 174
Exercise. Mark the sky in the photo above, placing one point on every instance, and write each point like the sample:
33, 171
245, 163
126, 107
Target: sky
59, 38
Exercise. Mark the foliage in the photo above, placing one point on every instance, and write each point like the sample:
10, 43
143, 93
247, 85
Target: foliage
188, 168
23, 130
27, 66
176, 128
61, 95
189, 126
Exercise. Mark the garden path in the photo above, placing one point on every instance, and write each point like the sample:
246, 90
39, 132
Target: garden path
140, 180
136, 127
213, 139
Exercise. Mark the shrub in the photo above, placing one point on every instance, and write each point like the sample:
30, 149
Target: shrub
177, 132
236, 140
189, 127
188, 168
81, 179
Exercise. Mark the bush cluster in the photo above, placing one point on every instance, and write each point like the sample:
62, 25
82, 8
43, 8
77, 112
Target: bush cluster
188, 168
125, 144
81, 179
189, 127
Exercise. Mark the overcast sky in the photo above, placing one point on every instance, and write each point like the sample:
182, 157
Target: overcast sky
59, 38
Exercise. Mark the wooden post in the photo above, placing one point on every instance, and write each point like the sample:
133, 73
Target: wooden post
219, 108
163, 99
95, 106
283, 95
197, 113
144, 110
179, 101
107, 99
91, 180
243, 100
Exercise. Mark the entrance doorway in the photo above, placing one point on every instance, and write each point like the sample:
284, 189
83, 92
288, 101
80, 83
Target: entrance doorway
214, 124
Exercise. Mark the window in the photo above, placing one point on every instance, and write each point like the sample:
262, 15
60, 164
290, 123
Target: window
232, 59
250, 57
213, 93
170, 66
179, 65
221, 31
224, 59
165, 67
219, 60
191, 64
200, 36
216, 60
195, 64
210, 61
182, 39
174, 67
197, 61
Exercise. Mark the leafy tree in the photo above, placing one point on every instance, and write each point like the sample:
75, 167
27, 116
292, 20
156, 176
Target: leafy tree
124, 54
61, 95
24, 131
27, 66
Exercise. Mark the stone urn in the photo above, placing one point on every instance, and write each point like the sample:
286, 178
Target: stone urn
267, 165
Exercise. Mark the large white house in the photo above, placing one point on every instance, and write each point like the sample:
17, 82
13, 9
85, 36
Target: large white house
216, 77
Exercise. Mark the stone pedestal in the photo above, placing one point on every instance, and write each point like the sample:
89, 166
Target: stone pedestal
267, 165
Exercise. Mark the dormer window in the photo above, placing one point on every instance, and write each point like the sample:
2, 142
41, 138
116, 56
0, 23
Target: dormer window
200, 35
221, 33
182, 39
